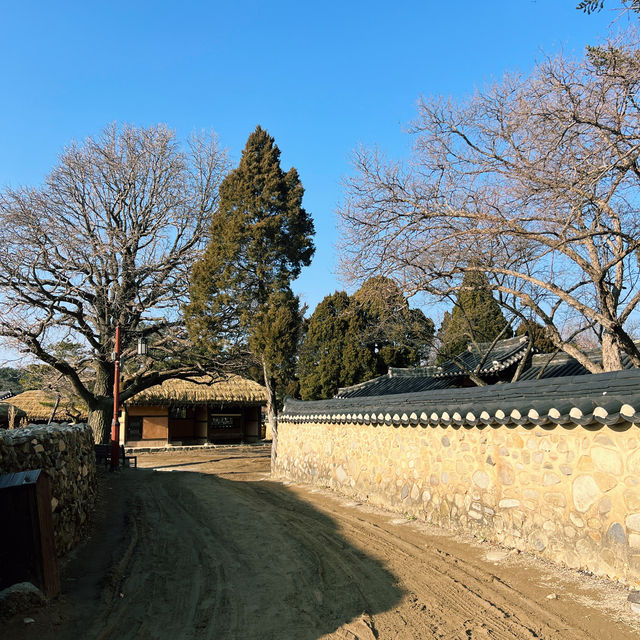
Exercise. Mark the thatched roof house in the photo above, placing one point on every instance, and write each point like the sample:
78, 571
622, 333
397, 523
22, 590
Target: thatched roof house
195, 411
202, 390
38, 405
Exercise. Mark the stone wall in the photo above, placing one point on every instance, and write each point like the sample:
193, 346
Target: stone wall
569, 493
66, 453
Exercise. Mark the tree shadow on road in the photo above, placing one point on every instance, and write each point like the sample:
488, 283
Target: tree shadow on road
191, 555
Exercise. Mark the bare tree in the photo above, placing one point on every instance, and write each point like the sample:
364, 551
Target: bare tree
593, 6
533, 181
109, 239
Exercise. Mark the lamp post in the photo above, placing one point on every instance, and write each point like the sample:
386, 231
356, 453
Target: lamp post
115, 423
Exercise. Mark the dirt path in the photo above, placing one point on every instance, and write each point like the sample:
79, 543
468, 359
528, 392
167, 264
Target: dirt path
205, 545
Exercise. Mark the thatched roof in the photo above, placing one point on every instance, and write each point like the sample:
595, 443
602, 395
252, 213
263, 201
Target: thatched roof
38, 405
231, 389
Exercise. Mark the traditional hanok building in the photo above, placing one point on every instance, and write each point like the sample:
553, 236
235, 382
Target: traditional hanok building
193, 412
493, 363
561, 365
41, 406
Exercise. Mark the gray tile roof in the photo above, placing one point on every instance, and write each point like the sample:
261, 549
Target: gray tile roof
503, 354
395, 382
559, 365
607, 398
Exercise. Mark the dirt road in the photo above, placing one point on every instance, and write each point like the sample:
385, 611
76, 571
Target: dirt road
205, 545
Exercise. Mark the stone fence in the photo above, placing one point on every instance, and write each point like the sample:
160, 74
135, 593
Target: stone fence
551, 467
66, 453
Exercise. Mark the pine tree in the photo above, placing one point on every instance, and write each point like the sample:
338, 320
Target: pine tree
537, 334
476, 317
353, 339
398, 335
275, 334
260, 238
331, 354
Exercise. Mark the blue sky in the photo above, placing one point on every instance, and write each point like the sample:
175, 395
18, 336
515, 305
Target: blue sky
322, 78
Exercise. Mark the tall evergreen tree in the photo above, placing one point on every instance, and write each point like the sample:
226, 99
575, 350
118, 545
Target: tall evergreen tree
260, 238
353, 339
275, 334
333, 354
476, 317
398, 335
537, 335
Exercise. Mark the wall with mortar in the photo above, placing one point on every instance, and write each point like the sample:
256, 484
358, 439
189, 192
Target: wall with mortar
570, 494
66, 453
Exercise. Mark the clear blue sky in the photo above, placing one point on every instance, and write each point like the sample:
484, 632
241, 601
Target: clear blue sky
320, 77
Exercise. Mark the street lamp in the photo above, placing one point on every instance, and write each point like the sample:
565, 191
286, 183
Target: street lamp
143, 349
115, 423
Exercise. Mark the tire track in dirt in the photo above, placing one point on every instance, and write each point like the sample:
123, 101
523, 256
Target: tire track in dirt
210, 548
316, 569
446, 589
204, 572
478, 603
175, 588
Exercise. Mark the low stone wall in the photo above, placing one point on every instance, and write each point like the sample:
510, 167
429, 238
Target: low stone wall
66, 453
569, 493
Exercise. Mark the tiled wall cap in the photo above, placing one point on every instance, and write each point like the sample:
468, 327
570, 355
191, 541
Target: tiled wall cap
627, 412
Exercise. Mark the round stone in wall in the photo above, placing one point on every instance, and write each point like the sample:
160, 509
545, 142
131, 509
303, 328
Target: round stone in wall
481, 479
633, 522
616, 534
607, 460
585, 492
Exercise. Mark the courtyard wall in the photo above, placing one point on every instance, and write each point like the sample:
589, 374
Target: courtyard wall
66, 454
566, 491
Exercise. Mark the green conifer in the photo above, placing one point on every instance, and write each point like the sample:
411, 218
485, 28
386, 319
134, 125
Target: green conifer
353, 339
476, 317
260, 238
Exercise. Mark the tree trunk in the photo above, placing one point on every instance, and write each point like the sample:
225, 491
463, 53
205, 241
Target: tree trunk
611, 359
101, 410
100, 422
55, 408
272, 413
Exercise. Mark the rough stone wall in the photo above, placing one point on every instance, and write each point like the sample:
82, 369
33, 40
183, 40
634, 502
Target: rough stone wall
66, 453
571, 495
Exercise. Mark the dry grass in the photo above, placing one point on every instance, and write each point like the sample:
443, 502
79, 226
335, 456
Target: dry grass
229, 389
38, 406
